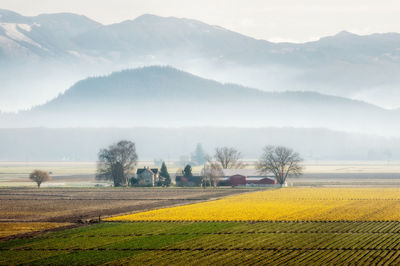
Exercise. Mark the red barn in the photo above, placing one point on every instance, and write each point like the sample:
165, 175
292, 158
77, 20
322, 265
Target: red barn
237, 180
266, 181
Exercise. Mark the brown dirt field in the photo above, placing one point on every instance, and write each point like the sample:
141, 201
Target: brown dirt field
71, 205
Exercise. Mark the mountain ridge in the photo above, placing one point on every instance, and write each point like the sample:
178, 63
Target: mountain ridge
168, 72
346, 65
167, 97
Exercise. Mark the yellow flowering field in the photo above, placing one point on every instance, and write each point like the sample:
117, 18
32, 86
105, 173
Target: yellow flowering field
291, 204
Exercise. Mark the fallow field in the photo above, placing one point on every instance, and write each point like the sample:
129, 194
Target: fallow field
25, 210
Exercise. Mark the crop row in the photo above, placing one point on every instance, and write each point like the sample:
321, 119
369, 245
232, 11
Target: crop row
127, 230
270, 257
296, 241
220, 240
291, 243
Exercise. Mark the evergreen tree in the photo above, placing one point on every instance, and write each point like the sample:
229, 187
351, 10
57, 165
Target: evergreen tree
165, 175
133, 181
199, 156
187, 171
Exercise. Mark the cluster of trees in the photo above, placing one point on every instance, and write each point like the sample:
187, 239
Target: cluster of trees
278, 160
118, 161
223, 158
228, 157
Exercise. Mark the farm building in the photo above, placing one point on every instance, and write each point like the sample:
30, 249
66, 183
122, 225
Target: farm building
261, 182
232, 177
147, 176
194, 181
248, 177
237, 180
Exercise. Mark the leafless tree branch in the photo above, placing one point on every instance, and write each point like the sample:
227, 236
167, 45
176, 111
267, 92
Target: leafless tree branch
229, 158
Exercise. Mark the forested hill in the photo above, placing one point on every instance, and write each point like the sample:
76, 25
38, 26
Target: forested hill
164, 96
159, 83
154, 83
43, 55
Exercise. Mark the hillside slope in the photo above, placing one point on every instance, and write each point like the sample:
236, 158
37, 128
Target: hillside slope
164, 96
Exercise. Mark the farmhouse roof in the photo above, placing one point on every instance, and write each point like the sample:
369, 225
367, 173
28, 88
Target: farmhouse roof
141, 170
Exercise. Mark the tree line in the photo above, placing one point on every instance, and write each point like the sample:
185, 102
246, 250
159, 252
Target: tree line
117, 163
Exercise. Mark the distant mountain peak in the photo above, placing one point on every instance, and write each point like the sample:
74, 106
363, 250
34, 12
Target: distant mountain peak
12, 17
342, 35
64, 16
4, 12
148, 17
345, 33
151, 18
74, 20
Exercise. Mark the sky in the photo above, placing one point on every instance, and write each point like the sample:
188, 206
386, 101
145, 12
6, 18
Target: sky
273, 20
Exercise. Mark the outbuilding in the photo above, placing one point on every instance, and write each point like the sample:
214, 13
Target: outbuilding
237, 180
245, 177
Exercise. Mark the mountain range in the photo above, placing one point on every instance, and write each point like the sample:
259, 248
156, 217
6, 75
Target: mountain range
166, 97
44, 55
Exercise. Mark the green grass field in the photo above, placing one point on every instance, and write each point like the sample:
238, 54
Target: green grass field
197, 243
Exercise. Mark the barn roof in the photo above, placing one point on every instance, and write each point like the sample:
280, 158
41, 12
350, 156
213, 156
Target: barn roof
266, 181
243, 172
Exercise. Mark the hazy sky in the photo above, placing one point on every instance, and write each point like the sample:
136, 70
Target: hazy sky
276, 20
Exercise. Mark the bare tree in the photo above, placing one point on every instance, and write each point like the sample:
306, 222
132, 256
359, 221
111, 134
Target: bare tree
117, 162
39, 177
211, 173
281, 162
228, 158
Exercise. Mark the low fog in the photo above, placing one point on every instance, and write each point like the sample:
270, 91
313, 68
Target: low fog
315, 145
